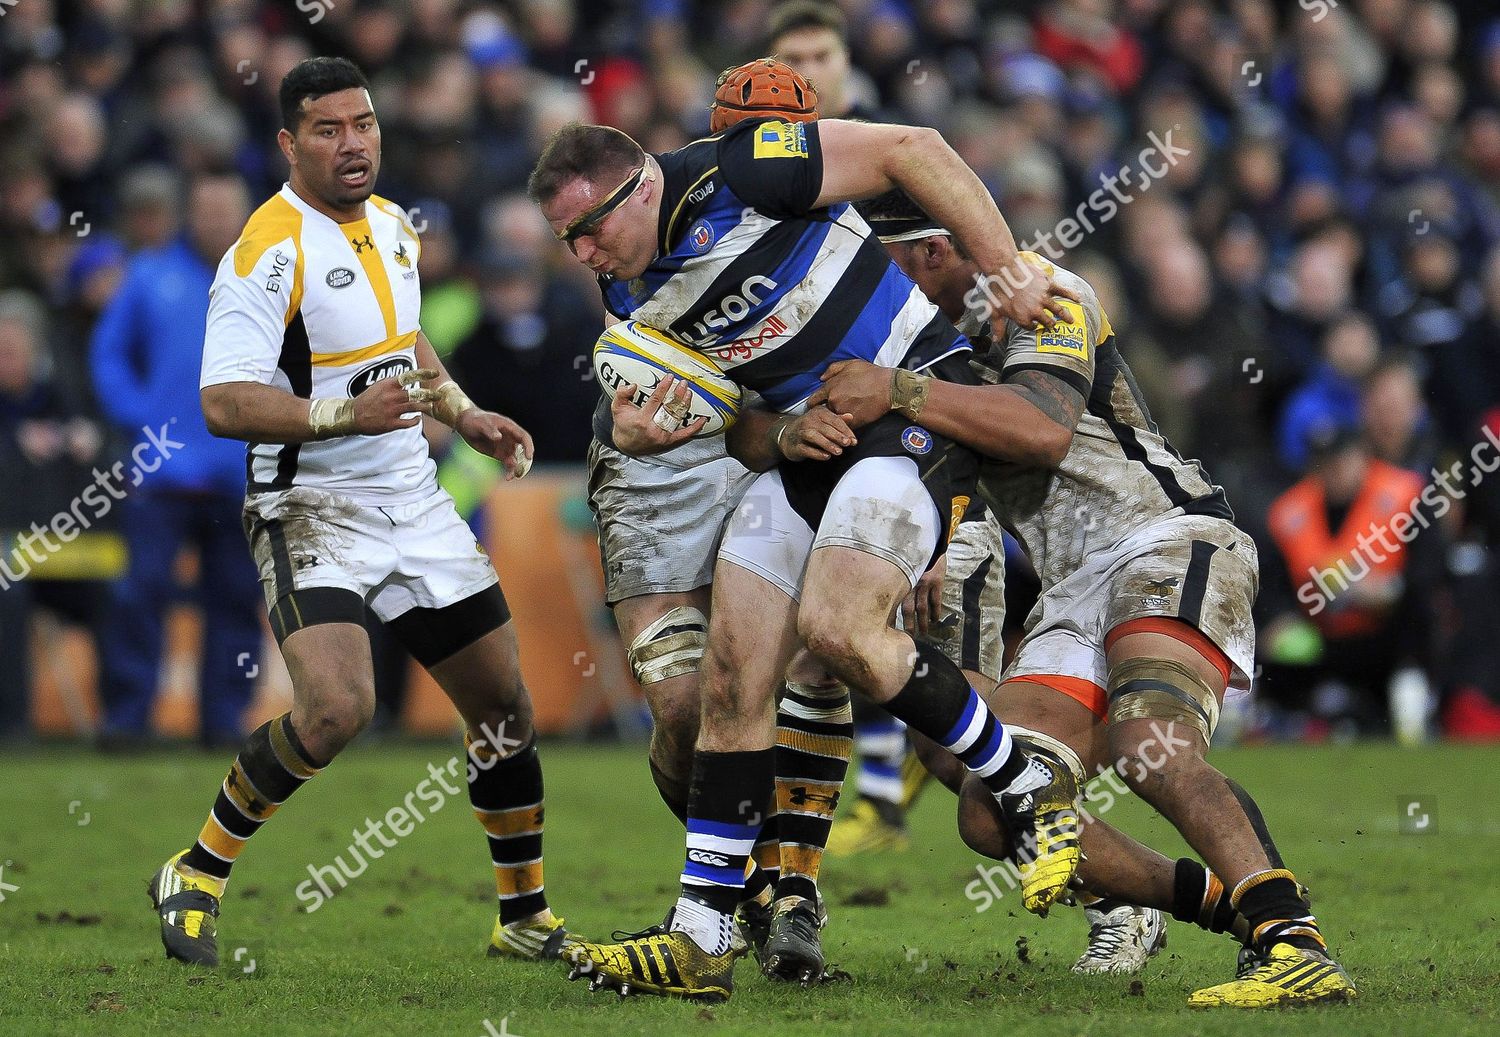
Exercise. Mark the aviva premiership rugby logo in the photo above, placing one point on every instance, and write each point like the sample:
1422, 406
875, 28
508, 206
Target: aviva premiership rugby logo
916, 440
701, 235
387, 367
340, 277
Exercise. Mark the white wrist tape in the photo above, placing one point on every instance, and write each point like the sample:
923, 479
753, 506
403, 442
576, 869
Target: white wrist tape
448, 401
331, 417
520, 464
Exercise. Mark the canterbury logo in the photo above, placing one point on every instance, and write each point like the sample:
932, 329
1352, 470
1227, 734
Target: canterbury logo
360, 244
713, 860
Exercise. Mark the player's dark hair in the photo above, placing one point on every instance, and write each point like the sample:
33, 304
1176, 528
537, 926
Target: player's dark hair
896, 210
807, 14
581, 151
312, 79
895, 204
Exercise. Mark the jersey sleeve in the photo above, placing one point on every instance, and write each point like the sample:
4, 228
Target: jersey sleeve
1066, 350
773, 165
248, 316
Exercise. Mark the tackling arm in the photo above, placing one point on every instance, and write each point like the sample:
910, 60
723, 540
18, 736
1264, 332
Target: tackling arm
760, 439
1029, 419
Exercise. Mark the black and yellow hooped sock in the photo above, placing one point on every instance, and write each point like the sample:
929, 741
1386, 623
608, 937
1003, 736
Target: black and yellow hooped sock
1200, 898
814, 739
271, 765
1273, 906
506, 792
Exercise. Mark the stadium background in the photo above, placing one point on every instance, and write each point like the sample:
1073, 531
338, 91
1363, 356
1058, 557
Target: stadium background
1315, 276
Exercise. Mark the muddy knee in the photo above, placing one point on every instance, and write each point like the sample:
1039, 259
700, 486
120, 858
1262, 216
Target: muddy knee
330, 714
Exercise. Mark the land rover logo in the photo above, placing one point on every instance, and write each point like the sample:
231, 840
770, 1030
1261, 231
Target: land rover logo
389, 367
340, 277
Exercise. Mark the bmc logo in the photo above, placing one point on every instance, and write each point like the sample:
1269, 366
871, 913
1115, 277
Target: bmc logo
713, 860
389, 367
733, 308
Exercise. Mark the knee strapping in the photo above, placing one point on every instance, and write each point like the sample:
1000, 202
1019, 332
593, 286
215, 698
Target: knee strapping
1162, 689
669, 647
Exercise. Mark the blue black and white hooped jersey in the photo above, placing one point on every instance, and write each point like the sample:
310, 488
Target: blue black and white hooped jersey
770, 288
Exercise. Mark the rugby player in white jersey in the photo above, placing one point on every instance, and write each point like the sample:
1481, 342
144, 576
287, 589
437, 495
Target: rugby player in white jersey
313, 355
1144, 620
717, 244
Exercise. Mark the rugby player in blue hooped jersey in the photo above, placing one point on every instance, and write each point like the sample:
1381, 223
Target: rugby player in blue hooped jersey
744, 246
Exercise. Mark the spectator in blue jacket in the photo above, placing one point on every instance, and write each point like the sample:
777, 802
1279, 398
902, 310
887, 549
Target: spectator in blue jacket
1332, 393
147, 349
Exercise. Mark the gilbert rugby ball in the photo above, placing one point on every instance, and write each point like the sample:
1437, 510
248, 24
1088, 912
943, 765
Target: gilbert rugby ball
631, 352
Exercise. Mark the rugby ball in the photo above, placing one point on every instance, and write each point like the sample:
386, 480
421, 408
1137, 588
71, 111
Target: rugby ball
631, 352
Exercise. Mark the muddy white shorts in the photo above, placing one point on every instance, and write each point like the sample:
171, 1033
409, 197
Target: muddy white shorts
418, 567
1199, 569
974, 596
879, 506
659, 523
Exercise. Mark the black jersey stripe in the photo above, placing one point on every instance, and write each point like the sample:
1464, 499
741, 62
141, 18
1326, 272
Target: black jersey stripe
669, 236
296, 361
679, 169
1069, 377
1214, 505
1109, 368
821, 336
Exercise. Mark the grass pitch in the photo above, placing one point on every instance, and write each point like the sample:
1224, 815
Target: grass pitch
1410, 905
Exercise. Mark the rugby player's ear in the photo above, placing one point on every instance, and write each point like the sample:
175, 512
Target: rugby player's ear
936, 251
288, 145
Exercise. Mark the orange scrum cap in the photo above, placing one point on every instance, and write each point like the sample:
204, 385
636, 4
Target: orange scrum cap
759, 89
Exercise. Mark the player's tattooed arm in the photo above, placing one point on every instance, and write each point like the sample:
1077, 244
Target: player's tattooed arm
1059, 401
1020, 421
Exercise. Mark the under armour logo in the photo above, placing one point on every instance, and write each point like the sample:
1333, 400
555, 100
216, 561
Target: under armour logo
361, 245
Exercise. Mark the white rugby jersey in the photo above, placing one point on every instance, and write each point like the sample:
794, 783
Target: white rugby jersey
322, 309
1119, 474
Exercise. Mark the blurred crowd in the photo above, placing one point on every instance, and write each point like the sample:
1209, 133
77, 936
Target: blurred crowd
1305, 277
